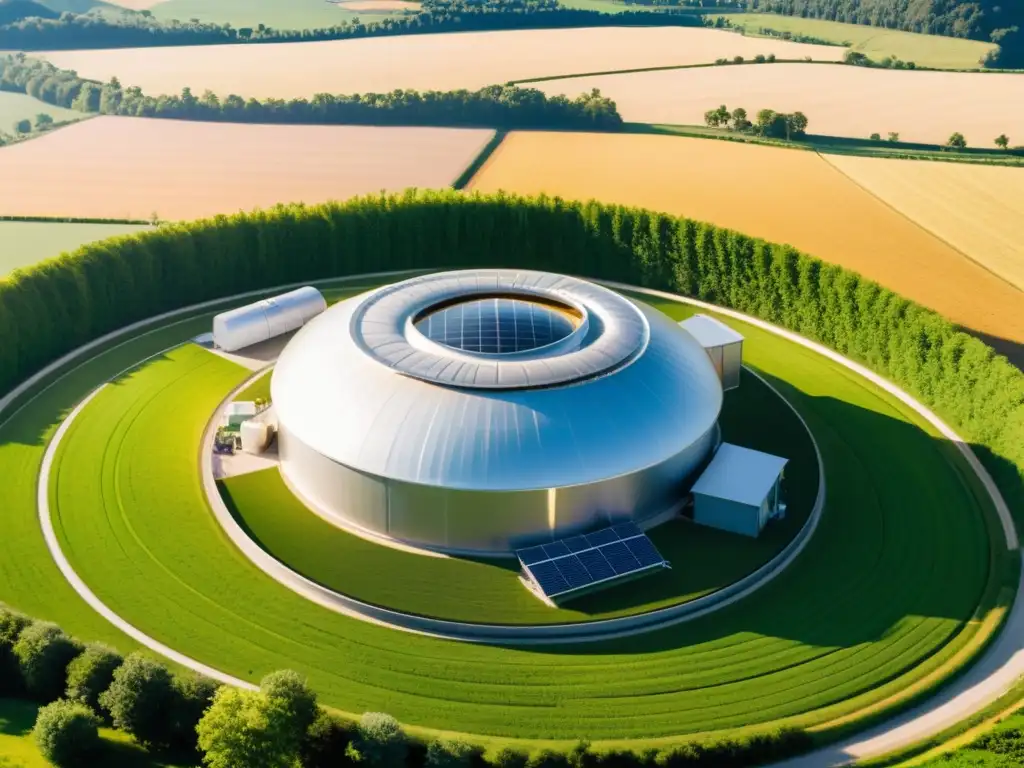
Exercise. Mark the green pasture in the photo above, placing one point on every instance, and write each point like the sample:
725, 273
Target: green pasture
23, 243
876, 42
18, 106
884, 603
18, 748
293, 14
461, 589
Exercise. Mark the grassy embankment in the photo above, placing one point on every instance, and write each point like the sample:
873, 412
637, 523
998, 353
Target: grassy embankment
489, 591
905, 520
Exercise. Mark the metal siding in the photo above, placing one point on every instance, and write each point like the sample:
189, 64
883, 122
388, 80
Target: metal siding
726, 515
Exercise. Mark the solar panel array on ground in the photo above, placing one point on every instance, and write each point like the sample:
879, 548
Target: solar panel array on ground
583, 561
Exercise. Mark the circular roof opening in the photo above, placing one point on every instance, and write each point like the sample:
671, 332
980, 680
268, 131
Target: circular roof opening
495, 325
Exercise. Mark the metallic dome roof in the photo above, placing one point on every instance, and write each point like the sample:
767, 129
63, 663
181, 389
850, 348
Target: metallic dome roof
625, 390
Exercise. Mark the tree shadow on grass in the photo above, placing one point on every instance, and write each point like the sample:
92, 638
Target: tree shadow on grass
17, 717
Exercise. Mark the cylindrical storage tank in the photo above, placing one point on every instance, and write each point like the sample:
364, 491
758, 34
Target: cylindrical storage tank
263, 320
481, 411
255, 436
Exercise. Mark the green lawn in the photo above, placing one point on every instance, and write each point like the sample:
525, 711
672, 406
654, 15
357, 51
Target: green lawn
876, 42
18, 748
18, 106
23, 243
882, 598
489, 591
1002, 747
293, 14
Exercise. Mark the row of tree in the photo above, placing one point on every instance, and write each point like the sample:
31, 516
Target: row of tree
768, 123
498, 106
997, 21
55, 307
280, 725
99, 30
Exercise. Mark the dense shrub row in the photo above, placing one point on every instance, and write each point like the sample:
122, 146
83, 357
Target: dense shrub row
91, 30
281, 725
497, 106
51, 309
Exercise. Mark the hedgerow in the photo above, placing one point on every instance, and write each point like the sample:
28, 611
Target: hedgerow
49, 310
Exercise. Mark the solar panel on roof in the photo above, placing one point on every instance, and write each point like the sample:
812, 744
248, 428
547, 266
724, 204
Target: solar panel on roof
604, 536
532, 555
620, 558
556, 549
496, 325
627, 530
644, 551
573, 571
596, 564
576, 543
548, 578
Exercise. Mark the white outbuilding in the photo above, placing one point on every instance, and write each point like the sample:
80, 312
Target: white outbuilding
739, 490
263, 320
723, 345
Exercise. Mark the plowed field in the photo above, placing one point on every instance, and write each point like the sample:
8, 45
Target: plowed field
119, 167
422, 62
838, 100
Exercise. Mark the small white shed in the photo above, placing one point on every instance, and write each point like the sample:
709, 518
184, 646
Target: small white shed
239, 412
739, 490
723, 345
253, 323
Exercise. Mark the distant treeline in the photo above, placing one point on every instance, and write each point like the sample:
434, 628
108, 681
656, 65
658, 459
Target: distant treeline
997, 21
142, 30
497, 106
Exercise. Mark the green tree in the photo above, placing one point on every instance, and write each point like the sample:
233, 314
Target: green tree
23, 126
141, 701
11, 626
43, 121
91, 673
379, 742
326, 742
957, 141
246, 729
716, 118
44, 652
1003, 141
450, 753
876, 137
796, 125
193, 696
740, 122
894, 137
510, 758
67, 734
294, 694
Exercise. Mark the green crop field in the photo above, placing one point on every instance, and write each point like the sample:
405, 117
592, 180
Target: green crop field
23, 243
489, 591
925, 50
294, 14
18, 106
880, 605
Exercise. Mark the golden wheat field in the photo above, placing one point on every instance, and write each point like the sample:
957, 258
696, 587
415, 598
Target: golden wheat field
838, 100
784, 195
120, 167
421, 62
977, 209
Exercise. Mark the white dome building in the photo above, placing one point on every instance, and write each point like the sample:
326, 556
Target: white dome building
482, 410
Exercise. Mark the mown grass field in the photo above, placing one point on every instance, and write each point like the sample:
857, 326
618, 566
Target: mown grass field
202, 169
23, 243
783, 195
977, 209
882, 598
876, 42
421, 62
838, 100
294, 14
18, 106
489, 591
